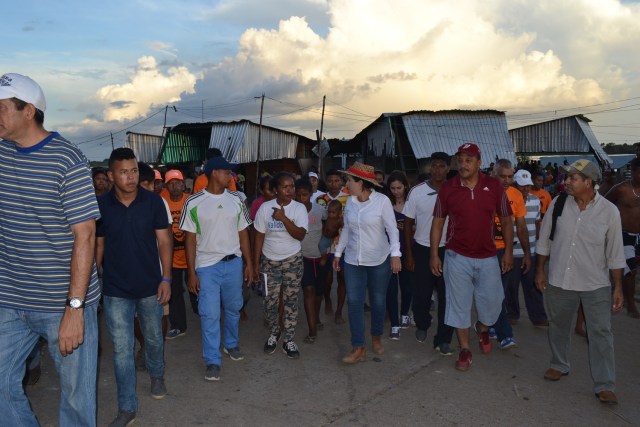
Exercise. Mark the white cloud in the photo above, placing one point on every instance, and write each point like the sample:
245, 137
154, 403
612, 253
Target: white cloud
148, 86
380, 56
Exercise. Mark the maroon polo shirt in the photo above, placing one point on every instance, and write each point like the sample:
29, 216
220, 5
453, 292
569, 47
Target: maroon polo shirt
471, 214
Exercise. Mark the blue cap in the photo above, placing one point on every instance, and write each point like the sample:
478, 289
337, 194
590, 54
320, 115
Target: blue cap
220, 162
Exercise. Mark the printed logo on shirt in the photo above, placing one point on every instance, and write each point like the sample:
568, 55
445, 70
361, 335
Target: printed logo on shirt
486, 189
220, 207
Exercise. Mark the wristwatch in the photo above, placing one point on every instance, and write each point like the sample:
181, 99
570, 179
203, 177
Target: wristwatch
75, 303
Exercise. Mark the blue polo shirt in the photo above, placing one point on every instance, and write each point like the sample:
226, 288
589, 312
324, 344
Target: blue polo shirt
131, 265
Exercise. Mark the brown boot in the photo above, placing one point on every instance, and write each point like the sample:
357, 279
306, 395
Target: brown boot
377, 345
357, 354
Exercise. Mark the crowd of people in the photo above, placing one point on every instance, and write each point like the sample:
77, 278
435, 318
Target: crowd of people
131, 241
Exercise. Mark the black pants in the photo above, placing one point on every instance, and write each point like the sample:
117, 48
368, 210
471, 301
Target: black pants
424, 283
177, 313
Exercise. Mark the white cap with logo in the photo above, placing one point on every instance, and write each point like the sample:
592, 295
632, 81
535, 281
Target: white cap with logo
14, 85
523, 177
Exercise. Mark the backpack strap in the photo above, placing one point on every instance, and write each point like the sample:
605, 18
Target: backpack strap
557, 211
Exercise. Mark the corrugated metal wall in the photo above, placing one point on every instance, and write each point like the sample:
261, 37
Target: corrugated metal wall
182, 148
445, 131
239, 142
145, 147
567, 135
380, 139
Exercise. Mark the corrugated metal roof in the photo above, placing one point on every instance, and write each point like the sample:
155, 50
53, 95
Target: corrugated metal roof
432, 131
238, 142
566, 135
146, 147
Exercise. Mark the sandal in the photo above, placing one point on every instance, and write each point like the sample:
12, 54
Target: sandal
310, 339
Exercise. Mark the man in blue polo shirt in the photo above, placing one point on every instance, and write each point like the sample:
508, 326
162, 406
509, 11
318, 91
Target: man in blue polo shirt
47, 238
132, 234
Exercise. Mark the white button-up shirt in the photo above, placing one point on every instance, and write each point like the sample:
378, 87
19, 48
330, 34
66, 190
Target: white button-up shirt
586, 245
370, 233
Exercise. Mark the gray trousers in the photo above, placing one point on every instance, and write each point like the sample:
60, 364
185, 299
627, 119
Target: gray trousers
561, 306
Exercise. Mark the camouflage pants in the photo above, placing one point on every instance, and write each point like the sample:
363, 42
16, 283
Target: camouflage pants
282, 276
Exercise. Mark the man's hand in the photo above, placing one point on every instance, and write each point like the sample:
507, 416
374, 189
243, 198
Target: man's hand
541, 279
436, 265
507, 262
71, 331
409, 262
164, 292
526, 263
396, 264
618, 299
336, 264
193, 284
256, 272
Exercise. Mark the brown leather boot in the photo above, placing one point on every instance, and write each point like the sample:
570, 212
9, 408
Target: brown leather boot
377, 345
357, 354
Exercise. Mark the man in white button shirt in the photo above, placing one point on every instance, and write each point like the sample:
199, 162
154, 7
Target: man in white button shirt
586, 247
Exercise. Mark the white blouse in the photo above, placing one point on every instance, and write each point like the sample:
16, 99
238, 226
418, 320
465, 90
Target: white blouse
363, 238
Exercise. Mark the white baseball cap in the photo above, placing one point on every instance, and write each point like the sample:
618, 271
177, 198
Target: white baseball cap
523, 177
14, 85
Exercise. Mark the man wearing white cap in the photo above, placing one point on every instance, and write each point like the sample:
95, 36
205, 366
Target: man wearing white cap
49, 285
585, 248
314, 180
532, 296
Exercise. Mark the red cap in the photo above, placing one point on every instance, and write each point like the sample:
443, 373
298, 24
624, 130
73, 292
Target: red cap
157, 174
469, 149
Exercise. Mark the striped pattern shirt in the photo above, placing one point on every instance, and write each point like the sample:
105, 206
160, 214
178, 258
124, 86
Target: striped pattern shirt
532, 205
44, 190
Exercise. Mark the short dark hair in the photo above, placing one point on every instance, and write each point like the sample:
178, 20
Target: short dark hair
145, 172
213, 152
20, 104
335, 202
333, 172
440, 155
265, 181
97, 171
304, 184
635, 163
277, 179
122, 153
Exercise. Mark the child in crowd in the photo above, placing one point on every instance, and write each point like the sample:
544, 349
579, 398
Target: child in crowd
330, 230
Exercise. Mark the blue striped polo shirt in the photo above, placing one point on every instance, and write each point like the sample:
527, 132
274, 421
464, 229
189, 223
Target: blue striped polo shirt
44, 190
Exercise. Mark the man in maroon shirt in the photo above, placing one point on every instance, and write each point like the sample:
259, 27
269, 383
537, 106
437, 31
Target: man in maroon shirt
471, 270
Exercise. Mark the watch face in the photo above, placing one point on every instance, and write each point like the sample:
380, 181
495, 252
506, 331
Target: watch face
75, 303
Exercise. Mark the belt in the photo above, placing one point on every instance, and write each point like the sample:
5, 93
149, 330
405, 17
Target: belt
229, 257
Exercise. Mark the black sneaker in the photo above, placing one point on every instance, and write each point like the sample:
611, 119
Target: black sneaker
212, 373
123, 419
272, 342
290, 349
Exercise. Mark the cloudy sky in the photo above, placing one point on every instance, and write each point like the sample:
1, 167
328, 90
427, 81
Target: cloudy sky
108, 67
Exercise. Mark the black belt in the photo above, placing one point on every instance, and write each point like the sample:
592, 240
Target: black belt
229, 258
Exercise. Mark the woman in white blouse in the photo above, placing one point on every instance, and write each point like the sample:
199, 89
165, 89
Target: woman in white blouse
371, 247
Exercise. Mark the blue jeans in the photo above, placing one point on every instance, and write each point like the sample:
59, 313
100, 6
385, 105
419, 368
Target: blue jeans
221, 282
358, 279
502, 325
19, 332
119, 314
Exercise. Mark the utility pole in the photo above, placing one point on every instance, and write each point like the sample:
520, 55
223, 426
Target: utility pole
112, 147
259, 138
320, 156
202, 110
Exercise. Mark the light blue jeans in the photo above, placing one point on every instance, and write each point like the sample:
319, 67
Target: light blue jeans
358, 279
19, 332
119, 314
220, 282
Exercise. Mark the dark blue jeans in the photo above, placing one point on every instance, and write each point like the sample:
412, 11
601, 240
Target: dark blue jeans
358, 280
502, 325
532, 296
399, 281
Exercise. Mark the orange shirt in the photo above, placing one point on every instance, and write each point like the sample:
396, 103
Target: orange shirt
179, 255
519, 211
544, 196
202, 181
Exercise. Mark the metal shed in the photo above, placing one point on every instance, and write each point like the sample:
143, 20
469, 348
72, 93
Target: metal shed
146, 147
570, 134
408, 138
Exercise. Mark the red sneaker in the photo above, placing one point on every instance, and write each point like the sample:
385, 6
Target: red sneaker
485, 340
464, 360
